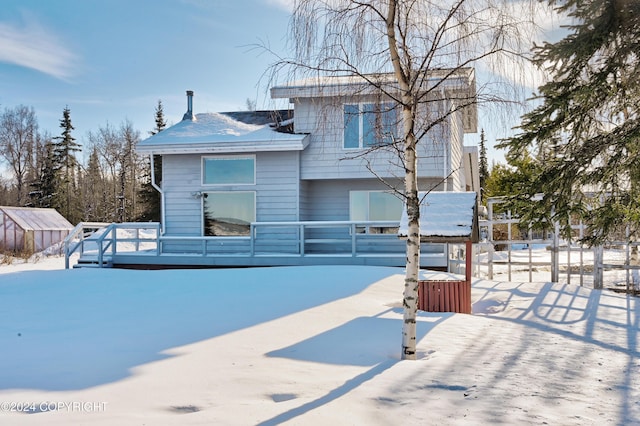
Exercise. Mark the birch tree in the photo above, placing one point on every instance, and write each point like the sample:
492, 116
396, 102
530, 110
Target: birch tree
18, 130
413, 41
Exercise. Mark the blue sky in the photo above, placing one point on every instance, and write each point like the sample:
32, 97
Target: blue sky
110, 61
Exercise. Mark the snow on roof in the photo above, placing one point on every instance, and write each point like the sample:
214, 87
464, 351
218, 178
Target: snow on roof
325, 82
445, 216
220, 130
36, 219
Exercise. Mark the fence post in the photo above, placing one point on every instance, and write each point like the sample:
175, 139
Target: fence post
597, 267
555, 258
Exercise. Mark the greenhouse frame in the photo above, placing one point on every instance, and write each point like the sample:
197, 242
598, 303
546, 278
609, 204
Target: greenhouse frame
31, 230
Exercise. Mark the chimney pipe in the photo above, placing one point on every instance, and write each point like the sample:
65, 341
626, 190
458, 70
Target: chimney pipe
189, 114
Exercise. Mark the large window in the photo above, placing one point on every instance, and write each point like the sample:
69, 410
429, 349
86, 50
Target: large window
229, 170
375, 205
229, 213
367, 125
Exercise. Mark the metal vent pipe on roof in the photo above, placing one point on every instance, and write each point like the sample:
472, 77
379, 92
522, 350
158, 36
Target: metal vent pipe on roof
189, 114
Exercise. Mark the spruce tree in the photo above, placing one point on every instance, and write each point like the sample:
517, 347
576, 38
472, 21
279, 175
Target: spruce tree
45, 187
585, 133
161, 122
65, 148
149, 196
95, 201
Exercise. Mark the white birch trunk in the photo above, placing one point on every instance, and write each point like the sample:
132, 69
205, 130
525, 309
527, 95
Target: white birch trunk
410, 296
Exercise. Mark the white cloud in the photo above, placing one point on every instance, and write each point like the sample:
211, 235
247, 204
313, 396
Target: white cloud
33, 46
282, 4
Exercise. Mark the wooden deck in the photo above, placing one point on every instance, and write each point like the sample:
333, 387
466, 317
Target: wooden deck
141, 245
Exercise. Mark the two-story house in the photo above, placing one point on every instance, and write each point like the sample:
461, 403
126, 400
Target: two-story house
317, 183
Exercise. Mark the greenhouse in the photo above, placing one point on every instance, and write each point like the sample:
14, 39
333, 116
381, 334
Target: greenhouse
30, 230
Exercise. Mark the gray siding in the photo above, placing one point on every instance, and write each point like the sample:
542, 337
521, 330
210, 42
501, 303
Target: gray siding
457, 150
329, 199
181, 175
325, 157
277, 190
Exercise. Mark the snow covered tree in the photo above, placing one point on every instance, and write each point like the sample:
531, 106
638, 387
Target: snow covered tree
412, 40
585, 132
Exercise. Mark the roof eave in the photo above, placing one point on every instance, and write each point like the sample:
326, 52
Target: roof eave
266, 145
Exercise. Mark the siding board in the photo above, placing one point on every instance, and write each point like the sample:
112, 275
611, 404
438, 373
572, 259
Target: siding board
277, 190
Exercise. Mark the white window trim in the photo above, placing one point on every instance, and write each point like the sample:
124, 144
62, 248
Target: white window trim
226, 157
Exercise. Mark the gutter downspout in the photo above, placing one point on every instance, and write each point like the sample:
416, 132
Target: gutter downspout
159, 189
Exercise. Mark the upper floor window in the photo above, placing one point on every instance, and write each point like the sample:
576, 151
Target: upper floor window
367, 125
228, 170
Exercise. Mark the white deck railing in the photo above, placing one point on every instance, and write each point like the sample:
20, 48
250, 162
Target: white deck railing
75, 241
306, 238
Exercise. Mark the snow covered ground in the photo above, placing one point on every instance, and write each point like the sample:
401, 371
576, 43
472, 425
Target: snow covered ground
305, 346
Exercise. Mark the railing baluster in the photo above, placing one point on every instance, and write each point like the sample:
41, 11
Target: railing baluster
354, 243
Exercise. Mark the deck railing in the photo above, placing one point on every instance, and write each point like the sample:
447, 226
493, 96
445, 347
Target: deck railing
75, 241
305, 238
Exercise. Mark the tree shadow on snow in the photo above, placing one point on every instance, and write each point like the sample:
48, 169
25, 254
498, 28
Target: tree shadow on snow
75, 329
365, 341
599, 318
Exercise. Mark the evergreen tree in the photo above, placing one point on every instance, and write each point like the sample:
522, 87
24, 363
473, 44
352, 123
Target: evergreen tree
484, 168
95, 200
66, 162
149, 196
161, 122
586, 131
45, 187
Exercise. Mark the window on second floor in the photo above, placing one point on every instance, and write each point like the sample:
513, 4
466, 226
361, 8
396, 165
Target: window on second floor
369, 124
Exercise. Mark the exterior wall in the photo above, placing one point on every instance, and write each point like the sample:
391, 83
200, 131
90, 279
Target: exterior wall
11, 235
457, 152
277, 190
329, 201
325, 157
181, 175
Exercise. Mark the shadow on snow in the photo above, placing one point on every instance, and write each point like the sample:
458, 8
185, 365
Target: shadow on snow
65, 330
